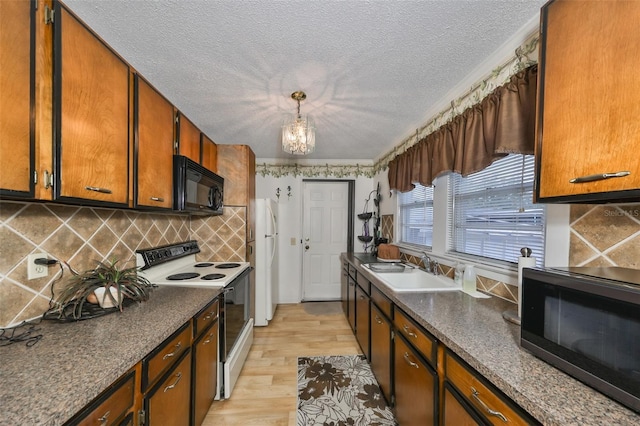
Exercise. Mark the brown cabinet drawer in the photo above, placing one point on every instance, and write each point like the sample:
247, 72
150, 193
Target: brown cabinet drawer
364, 283
381, 301
165, 355
487, 400
111, 405
206, 317
416, 335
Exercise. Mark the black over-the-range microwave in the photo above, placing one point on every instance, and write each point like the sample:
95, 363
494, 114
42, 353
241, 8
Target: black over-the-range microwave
586, 322
195, 188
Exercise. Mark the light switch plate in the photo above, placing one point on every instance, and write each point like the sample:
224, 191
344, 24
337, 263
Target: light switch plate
36, 271
293, 241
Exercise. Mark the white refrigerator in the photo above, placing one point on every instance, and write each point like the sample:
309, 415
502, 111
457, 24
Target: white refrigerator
266, 260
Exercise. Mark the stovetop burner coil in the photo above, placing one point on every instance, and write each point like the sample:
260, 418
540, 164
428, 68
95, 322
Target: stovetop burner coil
213, 276
203, 265
183, 276
227, 265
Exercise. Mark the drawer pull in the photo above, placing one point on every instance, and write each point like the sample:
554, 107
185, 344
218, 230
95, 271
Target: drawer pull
209, 316
105, 418
476, 396
409, 332
178, 377
170, 354
601, 176
209, 337
98, 189
378, 320
159, 199
411, 363
361, 297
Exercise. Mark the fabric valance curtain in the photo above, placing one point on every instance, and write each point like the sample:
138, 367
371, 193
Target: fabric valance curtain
502, 123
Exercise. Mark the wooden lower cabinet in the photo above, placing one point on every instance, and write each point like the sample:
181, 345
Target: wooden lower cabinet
351, 315
344, 288
381, 350
416, 387
487, 401
205, 372
112, 407
362, 320
455, 411
169, 401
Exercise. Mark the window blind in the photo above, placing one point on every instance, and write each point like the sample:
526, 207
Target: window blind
493, 211
416, 216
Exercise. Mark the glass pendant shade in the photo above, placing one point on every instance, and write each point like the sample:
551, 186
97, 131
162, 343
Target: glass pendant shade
298, 135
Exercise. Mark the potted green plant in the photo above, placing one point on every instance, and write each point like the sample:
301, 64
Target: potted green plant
107, 285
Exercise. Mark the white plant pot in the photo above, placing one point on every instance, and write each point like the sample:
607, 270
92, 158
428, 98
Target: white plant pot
103, 298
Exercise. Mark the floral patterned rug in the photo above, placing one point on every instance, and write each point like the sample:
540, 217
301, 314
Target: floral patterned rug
340, 391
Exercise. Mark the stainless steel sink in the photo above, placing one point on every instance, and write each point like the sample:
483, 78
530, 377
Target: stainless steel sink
387, 267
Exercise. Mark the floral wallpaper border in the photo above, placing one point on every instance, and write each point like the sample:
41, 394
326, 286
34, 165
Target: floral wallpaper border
524, 56
334, 170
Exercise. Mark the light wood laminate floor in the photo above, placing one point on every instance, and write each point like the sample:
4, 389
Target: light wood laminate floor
266, 393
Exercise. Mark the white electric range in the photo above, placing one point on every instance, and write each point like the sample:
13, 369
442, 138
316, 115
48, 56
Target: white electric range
176, 265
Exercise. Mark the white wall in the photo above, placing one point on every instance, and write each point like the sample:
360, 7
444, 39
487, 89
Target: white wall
290, 226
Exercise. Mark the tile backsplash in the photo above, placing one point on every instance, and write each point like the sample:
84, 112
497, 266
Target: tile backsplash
83, 235
605, 235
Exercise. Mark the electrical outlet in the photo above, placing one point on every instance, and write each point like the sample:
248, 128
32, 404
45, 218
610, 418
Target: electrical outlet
36, 271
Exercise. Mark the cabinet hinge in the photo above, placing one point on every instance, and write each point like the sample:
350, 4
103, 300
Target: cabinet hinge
393, 400
393, 335
141, 414
48, 15
35, 177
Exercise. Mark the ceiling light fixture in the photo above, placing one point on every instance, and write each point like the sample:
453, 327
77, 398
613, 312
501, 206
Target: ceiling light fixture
298, 131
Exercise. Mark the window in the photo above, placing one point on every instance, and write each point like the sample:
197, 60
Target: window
493, 214
416, 216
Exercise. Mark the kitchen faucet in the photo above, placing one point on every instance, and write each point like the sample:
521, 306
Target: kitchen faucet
426, 261
430, 266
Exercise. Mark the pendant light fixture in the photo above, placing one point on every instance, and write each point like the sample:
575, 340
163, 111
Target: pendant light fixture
298, 131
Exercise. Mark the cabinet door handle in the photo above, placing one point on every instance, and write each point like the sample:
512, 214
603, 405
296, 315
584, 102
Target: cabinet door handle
601, 176
411, 363
175, 350
209, 337
378, 320
173, 385
158, 199
105, 418
361, 297
98, 189
409, 332
476, 396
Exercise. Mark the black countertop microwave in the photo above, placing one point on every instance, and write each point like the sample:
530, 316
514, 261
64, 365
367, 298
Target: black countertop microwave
586, 322
196, 189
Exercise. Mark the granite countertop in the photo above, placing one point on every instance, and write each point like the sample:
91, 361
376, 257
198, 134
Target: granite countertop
48, 383
475, 330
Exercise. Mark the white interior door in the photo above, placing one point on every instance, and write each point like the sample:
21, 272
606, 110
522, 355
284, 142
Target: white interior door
325, 234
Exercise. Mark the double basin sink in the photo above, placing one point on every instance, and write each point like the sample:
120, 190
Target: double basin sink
402, 278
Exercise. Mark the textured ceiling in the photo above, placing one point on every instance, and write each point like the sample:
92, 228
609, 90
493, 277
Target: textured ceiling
371, 69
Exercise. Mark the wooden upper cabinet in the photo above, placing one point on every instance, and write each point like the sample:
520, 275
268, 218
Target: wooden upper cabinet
588, 101
237, 165
188, 139
154, 123
16, 94
209, 154
92, 99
